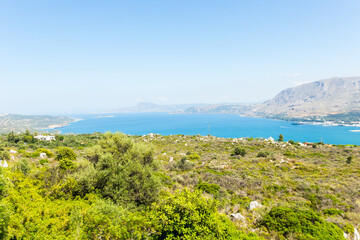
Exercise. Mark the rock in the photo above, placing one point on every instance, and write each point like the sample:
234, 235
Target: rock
13, 151
253, 205
171, 159
356, 234
237, 217
3, 163
42, 155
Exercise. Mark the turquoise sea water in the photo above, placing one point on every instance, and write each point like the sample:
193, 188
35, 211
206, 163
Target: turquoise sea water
221, 125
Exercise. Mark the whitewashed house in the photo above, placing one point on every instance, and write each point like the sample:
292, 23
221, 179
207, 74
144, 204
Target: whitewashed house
44, 138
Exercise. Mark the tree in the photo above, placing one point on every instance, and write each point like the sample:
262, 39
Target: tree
281, 138
349, 159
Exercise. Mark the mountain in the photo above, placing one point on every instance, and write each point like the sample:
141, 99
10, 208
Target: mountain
220, 109
151, 107
320, 98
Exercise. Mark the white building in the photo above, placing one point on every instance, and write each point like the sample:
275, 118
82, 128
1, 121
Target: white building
44, 138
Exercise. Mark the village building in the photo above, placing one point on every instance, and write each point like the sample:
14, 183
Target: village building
44, 138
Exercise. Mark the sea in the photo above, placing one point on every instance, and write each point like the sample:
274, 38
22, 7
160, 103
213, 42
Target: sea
220, 125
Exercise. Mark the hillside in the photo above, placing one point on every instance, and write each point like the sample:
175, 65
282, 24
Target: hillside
112, 186
19, 123
320, 98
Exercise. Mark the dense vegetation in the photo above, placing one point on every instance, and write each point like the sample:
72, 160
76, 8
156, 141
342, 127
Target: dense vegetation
113, 186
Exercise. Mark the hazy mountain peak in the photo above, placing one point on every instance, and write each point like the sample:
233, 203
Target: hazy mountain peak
334, 95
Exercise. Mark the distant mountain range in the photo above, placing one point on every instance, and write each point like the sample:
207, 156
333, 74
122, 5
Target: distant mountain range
151, 107
333, 99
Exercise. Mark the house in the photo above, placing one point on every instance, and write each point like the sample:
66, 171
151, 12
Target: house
44, 138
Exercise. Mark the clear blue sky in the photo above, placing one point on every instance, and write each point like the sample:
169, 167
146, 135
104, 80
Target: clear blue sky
62, 57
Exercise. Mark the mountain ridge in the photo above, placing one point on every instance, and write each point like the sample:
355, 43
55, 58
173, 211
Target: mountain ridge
319, 98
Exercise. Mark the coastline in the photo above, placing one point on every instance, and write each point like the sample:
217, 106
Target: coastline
54, 126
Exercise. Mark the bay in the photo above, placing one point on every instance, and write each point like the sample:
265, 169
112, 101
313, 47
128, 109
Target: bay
220, 125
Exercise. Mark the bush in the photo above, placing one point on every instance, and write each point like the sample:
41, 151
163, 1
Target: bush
183, 164
188, 215
65, 153
289, 154
238, 151
332, 212
122, 170
262, 154
208, 187
43, 161
349, 159
4, 219
194, 157
23, 165
43, 150
5, 155
3, 184
301, 224
66, 164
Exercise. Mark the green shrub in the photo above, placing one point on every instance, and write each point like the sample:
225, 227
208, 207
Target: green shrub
263, 154
65, 153
183, 164
211, 188
4, 219
5, 155
188, 215
23, 165
43, 161
122, 170
348, 228
3, 184
194, 157
42, 150
289, 154
301, 224
332, 212
66, 164
238, 151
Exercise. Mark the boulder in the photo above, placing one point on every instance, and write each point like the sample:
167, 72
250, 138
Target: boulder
237, 217
253, 205
356, 234
3, 163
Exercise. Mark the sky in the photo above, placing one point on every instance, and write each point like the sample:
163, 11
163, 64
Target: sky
74, 57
